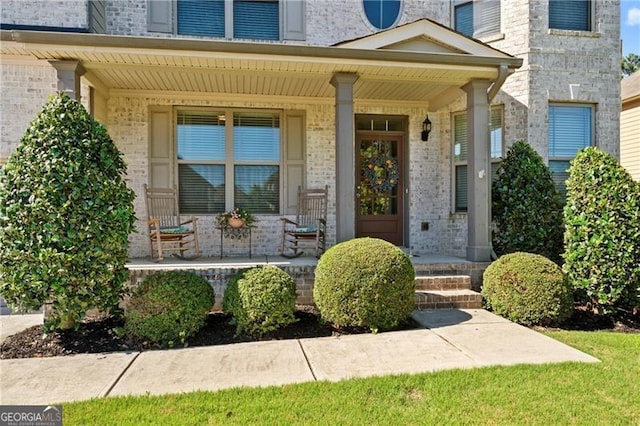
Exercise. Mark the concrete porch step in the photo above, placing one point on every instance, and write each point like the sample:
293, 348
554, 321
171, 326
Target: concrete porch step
443, 282
448, 299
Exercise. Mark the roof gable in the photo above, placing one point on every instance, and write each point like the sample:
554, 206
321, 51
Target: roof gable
424, 36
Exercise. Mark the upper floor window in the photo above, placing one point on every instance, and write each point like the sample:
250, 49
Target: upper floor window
570, 129
243, 19
570, 15
476, 18
460, 146
252, 19
382, 14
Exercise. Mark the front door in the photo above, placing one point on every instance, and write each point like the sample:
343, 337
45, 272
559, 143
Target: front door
379, 187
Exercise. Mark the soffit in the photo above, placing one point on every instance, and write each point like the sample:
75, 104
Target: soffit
137, 63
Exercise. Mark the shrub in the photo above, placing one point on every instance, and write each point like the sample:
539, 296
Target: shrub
526, 209
602, 240
168, 307
364, 282
528, 289
261, 299
65, 216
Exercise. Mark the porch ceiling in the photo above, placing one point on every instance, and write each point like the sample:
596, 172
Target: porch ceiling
202, 66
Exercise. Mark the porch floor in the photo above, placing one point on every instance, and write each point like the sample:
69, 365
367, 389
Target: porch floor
170, 263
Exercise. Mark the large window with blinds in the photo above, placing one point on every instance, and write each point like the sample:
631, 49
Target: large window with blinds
460, 153
570, 15
228, 159
249, 19
570, 129
476, 18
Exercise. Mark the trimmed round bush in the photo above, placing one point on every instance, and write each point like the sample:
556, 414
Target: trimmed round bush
168, 307
528, 289
526, 209
364, 282
602, 239
261, 299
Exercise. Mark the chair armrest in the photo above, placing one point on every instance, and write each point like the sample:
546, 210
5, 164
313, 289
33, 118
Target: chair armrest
286, 221
153, 223
193, 219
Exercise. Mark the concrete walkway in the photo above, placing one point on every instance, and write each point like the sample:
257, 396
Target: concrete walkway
450, 339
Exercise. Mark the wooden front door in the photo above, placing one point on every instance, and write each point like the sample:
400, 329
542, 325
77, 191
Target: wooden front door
379, 187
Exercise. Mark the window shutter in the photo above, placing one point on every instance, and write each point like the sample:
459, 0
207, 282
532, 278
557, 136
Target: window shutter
464, 19
569, 129
256, 19
201, 17
295, 156
570, 15
293, 24
160, 158
486, 17
159, 16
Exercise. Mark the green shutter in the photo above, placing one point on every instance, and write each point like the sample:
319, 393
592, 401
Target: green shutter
294, 158
160, 147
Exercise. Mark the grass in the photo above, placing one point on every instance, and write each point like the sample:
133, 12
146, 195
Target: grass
568, 393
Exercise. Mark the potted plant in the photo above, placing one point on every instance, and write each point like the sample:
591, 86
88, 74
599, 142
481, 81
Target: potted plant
236, 218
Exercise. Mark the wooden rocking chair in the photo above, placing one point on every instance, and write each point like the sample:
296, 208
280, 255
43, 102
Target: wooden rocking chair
167, 233
310, 224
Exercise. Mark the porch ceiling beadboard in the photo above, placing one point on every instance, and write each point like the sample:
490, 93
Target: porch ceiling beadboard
413, 63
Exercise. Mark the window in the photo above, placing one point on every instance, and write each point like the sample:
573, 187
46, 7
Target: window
382, 14
476, 18
251, 19
216, 149
460, 153
570, 129
570, 15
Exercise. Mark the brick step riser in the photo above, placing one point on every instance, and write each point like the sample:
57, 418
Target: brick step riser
444, 282
426, 300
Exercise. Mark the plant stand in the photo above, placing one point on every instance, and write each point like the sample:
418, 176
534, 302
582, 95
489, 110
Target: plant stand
234, 234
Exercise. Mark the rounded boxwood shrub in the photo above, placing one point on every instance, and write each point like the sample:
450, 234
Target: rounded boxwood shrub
526, 206
528, 289
364, 282
168, 307
65, 217
602, 239
261, 299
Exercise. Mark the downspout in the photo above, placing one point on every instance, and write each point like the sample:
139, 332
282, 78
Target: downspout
503, 73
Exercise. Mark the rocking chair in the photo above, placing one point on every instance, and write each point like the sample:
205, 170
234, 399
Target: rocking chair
310, 224
166, 232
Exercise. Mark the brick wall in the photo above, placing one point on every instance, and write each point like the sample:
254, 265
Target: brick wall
53, 13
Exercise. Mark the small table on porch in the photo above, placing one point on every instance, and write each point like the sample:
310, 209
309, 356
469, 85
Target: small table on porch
227, 231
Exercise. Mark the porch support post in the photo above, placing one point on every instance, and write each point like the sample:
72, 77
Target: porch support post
69, 73
345, 157
478, 171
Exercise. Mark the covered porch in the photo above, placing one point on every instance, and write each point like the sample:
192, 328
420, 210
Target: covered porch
136, 86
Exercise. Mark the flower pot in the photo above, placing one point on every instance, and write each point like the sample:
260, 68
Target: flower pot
236, 223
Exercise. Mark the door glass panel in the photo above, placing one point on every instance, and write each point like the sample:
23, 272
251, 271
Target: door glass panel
379, 175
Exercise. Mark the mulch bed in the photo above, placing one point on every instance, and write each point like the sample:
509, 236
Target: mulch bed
98, 335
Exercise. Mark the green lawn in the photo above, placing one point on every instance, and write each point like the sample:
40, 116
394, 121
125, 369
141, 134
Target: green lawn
569, 393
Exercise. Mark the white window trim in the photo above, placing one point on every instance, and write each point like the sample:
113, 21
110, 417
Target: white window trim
455, 163
229, 162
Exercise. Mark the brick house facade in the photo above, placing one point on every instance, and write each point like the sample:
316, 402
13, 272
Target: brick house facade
333, 76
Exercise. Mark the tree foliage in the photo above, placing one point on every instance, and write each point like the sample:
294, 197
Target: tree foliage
526, 208
65, 216
602, 239
630, 64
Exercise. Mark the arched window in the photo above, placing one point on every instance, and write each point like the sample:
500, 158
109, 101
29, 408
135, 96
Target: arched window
382, 14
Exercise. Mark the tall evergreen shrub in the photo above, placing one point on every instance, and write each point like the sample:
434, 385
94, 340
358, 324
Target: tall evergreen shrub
602, 239
65, 216
526, 209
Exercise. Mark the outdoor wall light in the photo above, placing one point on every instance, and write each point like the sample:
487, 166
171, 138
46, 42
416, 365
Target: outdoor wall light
426, 128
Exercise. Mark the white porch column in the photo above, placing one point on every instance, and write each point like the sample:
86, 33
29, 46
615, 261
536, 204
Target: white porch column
345, 157
478, 171
69, 73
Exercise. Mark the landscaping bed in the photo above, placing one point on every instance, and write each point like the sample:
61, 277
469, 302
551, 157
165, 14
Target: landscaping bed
97, 335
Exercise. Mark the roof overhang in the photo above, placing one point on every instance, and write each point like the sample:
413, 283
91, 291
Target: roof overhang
126, 63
